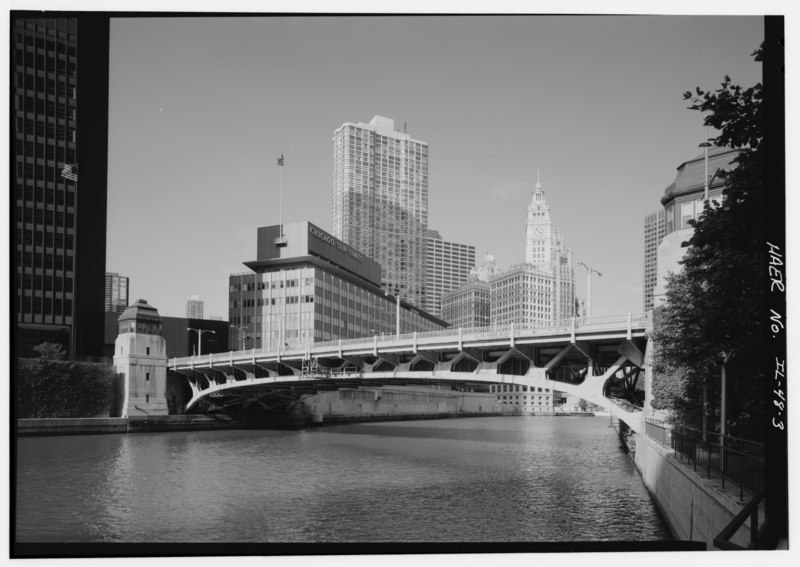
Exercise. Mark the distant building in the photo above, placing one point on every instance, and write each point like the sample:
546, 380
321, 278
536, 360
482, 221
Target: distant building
486, 270
540, 292
313, 288
468, 305
194, 307
59, 120
683, 202
448, 265
116, 298
654, 227
179, 339
527, 399
380, 201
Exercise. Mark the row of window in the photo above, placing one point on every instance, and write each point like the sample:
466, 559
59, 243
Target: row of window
44, 306
47, 217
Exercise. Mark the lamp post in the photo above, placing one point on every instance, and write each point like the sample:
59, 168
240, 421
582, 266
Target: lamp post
241, 333
200, 338
589, 271
397, 297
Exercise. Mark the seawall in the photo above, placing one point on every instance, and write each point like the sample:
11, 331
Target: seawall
136, 424
695, 508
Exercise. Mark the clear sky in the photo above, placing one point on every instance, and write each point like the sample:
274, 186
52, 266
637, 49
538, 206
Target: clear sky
201, 107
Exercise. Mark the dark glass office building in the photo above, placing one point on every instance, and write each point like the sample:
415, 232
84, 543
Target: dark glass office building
59, 122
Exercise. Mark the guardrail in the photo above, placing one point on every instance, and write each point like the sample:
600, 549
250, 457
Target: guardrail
566, 326
735, 460
658, 431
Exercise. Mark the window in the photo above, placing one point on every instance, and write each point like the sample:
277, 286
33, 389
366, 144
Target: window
147, 374
687, 213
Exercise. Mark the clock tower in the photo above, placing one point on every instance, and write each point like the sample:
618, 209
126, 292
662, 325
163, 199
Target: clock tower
538, 248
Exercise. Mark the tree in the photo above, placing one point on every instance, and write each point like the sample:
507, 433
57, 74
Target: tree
56, 388
715, 305
51, 351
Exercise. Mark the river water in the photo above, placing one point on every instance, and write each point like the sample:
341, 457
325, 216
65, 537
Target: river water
504, 479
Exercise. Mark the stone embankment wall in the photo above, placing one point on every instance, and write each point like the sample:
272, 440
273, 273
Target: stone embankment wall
695, 508
399, 401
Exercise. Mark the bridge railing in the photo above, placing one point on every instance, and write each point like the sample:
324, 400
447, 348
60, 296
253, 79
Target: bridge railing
577, 324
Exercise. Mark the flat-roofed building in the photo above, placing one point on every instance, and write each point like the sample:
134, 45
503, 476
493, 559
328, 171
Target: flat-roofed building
116, 298
467, 306
308, 286
654, 227
380, 201
59, 114
447, 266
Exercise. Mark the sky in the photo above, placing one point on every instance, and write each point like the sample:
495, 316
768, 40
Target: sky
201, 107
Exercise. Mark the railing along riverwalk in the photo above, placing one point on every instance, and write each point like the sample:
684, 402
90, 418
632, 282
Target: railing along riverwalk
732, 459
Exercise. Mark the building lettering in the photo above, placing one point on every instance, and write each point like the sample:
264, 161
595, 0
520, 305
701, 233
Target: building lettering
331, 241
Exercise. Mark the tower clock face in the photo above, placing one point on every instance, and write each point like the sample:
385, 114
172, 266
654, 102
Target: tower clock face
539, 231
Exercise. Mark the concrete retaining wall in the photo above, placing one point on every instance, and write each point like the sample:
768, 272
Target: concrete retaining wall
96, 425
692, 506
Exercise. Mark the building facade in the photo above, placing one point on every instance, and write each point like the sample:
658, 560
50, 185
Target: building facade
447, 266
59, 120
541, 291
654, 227
545, 250
468, 305
313, 288
380, 201
527, 400
683, 202
194, 307
116, 298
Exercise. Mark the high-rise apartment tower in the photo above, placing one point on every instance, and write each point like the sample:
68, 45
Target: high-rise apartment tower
654, 230
194, 307
116, 298
380, 201
59, 82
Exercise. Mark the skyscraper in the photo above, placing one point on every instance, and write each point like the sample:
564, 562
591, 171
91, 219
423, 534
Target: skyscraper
447, 266
380, 201
547, 278
116, 298
194, 307
60, 121
654, 227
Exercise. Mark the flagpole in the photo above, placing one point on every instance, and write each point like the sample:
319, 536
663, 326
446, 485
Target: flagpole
280, 204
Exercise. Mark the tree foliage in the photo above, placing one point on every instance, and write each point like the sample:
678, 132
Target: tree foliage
55, 388
715, 305
51, 351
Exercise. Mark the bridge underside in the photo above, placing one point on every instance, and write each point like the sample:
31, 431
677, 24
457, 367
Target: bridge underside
606, 373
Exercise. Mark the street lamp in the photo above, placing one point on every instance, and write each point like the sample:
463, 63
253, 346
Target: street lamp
397, 297
589, 271
200, 338
241, 332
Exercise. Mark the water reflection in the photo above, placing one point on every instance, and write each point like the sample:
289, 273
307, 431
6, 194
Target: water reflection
482, 479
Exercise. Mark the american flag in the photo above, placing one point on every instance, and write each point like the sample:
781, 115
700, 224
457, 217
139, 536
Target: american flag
280, 160
69, 173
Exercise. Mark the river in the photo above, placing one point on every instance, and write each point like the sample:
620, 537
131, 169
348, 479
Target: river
498, 479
